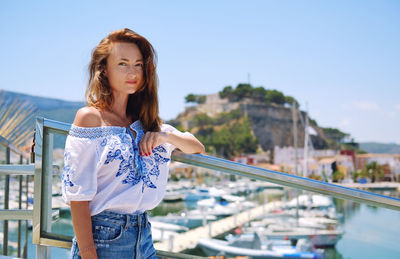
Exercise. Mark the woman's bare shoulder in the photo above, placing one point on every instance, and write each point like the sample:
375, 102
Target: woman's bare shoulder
88, 117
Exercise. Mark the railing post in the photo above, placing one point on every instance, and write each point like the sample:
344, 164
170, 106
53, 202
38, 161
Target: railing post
47, 179
19, 207
25, 253
6, 202
42, 156
171, 243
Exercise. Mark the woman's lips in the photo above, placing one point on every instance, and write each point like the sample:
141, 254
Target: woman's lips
131, 82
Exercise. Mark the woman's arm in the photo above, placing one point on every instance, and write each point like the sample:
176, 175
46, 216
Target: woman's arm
186, 143
80, 211
82, 223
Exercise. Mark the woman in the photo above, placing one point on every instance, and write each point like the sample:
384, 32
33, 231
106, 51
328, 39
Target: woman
118, 151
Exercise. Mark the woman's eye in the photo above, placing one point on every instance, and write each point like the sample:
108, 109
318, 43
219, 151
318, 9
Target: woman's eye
122, 64
139, 65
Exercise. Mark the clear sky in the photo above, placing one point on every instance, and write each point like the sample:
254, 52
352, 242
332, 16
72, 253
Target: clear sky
342, 58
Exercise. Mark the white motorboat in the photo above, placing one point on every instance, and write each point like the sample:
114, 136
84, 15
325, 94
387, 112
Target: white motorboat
201, 193
254, 247
318, 237
173, 196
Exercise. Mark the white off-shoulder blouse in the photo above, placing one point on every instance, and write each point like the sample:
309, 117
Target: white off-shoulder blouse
103, 165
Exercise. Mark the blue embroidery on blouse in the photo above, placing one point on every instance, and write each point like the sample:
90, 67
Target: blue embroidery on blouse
113, 155
68, 171
121, 140
105, 131
125, 166
146, 168
96, 132
160, 149
122, 147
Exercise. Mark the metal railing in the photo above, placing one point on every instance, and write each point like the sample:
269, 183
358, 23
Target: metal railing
289, 180
43, 238
19, 171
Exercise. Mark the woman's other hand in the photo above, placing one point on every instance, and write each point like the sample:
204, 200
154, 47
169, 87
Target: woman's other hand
150, 140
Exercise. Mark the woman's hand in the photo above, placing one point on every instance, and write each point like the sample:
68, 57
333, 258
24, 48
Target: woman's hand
150, 140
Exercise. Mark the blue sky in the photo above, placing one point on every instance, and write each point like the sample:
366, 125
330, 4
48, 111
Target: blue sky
342, 58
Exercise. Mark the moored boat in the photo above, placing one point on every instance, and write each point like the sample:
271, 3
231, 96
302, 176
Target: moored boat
255, 247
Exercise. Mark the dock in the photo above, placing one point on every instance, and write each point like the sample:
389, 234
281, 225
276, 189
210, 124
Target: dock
381, 186
189, 239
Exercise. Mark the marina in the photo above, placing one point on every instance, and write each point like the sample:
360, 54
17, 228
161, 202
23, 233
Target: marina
354, 217
190, 239
277, 217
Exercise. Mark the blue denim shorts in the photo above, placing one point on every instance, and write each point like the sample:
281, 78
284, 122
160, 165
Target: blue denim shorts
122, 236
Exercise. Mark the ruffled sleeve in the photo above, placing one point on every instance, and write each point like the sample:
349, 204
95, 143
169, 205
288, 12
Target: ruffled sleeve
168, 128
79, 179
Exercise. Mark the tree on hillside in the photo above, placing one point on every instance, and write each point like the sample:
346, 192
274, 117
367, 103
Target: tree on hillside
335, 134
234, 139
192, 98
203, 120
274, 96
226, 92
226, 117
259, 94
290, 100
243, 90
229, 134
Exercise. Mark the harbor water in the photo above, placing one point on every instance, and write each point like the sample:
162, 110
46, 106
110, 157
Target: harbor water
370, 232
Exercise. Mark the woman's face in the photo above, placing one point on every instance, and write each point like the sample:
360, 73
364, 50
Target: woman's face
124, 68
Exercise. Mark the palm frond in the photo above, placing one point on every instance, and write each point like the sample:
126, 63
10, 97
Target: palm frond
14, 117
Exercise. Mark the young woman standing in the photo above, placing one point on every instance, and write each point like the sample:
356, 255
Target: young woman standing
118, 151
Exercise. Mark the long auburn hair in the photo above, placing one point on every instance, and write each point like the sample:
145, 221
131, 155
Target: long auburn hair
143, 104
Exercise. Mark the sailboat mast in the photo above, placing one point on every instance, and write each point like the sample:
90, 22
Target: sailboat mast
306, 136
294, 117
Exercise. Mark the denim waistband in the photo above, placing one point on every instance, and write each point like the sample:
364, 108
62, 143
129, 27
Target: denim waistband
125, 220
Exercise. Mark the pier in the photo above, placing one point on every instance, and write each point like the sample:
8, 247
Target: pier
189, 239
381, 186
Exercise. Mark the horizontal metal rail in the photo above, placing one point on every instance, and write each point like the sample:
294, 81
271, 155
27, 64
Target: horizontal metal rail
16, 214
288, 180
57, 126
4, 142
17, 170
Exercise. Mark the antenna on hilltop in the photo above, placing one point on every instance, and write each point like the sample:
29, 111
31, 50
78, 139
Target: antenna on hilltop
248, 78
